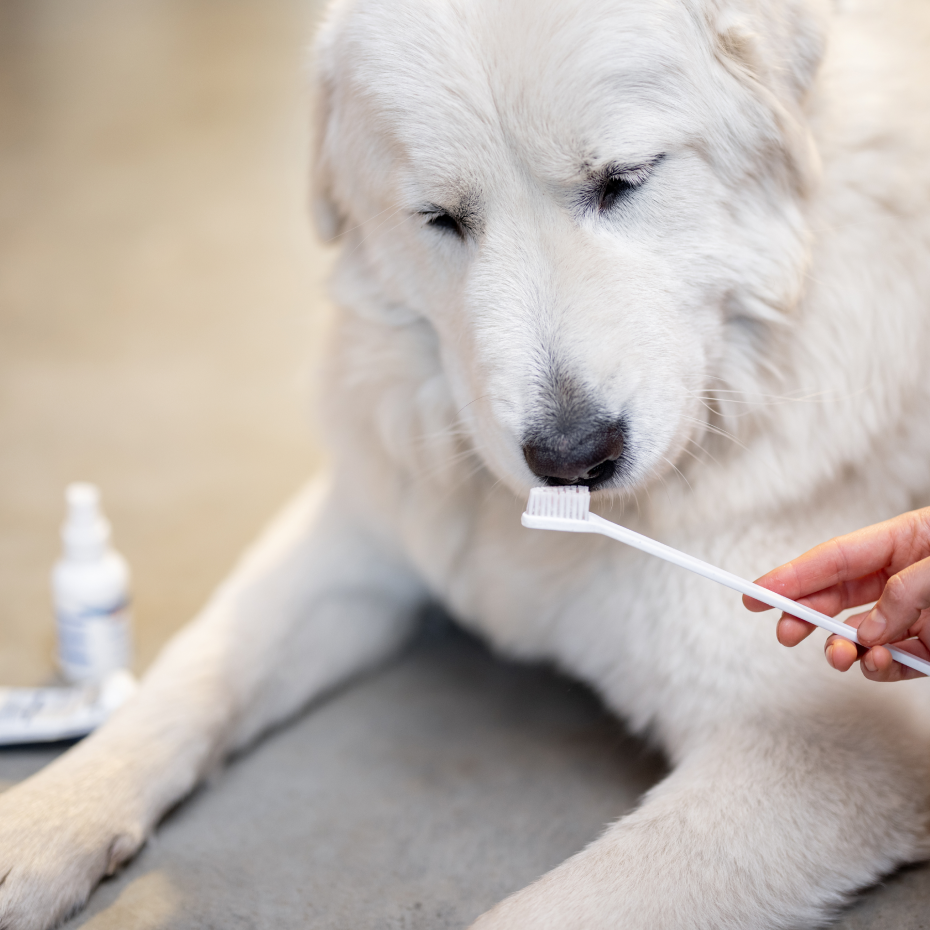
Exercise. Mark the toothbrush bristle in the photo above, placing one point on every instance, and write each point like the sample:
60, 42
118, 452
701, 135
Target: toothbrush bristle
565, 503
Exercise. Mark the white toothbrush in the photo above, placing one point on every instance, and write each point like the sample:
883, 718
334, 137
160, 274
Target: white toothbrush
568, 509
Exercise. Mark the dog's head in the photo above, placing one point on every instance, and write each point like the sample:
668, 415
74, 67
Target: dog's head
596, 205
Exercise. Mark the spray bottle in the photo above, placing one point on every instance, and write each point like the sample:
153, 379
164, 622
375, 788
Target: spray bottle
90, 585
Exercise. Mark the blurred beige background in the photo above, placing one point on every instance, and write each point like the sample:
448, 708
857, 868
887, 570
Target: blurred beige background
161, 292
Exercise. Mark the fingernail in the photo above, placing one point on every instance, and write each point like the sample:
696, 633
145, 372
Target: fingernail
869, 662
872, 628
828, 652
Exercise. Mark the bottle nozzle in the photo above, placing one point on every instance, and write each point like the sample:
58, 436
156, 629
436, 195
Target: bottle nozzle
82, 497
85, 532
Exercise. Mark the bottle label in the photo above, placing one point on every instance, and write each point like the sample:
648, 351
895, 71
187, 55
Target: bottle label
92, 643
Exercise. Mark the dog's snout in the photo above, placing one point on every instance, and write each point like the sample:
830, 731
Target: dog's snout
586, 455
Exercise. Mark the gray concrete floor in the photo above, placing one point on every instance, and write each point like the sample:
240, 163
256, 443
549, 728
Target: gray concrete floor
160, 307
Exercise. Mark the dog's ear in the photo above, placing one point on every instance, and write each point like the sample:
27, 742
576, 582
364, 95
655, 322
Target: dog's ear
774, 49
323, 207
778, 44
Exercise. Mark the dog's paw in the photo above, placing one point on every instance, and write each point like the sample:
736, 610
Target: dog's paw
58, 837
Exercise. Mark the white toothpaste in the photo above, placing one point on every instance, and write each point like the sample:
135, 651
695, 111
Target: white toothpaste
44, 715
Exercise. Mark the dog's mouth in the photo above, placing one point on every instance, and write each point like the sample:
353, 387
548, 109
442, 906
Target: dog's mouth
597, 476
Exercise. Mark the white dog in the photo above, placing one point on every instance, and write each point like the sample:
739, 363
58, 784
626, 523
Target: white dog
678, 251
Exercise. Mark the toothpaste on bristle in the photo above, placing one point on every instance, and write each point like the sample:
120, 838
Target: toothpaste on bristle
565, 503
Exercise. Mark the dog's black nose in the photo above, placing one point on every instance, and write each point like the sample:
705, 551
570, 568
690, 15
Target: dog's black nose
587, 455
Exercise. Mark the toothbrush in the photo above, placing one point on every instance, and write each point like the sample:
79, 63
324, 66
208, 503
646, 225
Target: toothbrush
568, 509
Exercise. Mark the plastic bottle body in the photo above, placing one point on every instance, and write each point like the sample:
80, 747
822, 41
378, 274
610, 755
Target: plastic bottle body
90, 586
92, 611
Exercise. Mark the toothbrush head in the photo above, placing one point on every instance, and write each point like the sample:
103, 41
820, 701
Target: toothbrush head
570, 502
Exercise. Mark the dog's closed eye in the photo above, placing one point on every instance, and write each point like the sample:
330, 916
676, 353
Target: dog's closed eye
447, 223
612, 191
614, 183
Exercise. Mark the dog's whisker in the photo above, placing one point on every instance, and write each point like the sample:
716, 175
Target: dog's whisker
472, 401
716, 430
686, 451
446, 464
702, 450
378, 229
374, 216
452, 434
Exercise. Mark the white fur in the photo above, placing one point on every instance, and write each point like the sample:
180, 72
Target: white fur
758, 313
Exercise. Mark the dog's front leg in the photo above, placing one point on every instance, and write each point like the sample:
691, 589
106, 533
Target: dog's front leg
767, 824
317, 599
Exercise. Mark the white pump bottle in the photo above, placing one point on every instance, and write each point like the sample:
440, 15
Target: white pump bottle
90, 584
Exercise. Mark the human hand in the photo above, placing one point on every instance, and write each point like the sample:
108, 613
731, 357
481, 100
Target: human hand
888, 563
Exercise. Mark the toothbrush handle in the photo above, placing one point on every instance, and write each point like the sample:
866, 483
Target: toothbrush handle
596, 524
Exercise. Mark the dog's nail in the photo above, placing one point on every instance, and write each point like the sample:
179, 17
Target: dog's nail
872, 628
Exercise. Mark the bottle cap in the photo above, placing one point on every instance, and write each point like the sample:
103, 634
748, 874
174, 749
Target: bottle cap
85, 533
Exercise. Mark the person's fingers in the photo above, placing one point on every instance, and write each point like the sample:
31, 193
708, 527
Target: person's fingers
835, 598
820, 574
905, 597
750, 603
840, 653
842, 559
791, 631
885, 548
879, 665
846, 594
838, 597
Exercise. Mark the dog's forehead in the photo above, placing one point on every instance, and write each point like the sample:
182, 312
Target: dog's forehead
528, 73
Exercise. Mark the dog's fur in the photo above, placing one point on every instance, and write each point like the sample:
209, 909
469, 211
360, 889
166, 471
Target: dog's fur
755, 313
